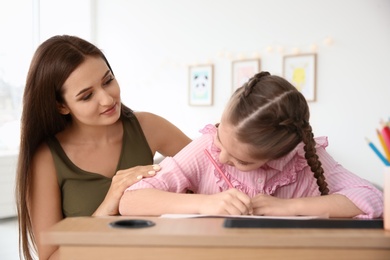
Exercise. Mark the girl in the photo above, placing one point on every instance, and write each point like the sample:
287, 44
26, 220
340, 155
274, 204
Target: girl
80, 146
264, 144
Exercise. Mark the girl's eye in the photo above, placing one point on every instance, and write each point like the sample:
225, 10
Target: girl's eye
243, 163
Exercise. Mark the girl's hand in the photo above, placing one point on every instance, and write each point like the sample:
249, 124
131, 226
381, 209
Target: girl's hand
230, 202
120, 182
267, 205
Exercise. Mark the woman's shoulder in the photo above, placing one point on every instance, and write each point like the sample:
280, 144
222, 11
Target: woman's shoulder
148, 118
149, 122
42, 159
42, 152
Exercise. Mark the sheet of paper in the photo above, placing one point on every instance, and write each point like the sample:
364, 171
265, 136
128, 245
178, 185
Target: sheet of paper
238, 216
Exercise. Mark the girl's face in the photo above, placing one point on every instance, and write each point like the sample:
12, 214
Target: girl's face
233, 152
92, 94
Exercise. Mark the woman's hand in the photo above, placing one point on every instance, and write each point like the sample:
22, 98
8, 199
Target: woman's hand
230, 202
120, 182
267, 205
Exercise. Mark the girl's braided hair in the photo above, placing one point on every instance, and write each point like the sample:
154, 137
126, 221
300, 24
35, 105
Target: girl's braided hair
273, 116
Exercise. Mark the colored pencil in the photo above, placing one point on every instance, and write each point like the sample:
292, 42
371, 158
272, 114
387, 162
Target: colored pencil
378, 153
384, 146
218, 169
385, 132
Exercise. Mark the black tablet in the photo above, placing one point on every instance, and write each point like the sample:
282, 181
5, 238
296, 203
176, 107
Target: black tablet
298, 223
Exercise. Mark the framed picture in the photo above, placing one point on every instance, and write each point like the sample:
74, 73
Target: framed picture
300, 70
201, 85
243, 70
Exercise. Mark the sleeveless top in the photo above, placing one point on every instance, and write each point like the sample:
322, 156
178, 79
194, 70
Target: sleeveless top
82, 192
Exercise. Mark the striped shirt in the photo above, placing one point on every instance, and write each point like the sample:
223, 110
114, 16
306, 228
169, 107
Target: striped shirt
287, 177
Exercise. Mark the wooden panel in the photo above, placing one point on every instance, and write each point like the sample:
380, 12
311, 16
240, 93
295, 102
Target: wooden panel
206, 253
207, 232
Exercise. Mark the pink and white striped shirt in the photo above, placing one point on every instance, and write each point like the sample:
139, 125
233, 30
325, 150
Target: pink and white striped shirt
287, 177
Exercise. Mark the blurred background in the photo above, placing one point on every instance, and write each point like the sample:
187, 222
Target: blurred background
151, 45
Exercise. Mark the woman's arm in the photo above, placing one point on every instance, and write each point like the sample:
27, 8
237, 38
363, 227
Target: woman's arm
161, 135
45, 201
121, 181
157, 202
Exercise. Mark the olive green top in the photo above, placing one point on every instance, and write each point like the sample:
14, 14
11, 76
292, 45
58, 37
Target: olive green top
82, 192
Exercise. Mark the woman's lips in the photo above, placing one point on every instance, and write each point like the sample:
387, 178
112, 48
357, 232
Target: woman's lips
110, 110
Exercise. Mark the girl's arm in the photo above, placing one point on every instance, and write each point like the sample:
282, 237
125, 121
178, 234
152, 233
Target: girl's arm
349, 195
45, 201
148, 202
334, 205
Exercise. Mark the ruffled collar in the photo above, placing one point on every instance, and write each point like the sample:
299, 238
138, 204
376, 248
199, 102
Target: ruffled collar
280, 163
287, 168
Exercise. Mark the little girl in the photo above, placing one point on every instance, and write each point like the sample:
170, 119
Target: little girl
264, 144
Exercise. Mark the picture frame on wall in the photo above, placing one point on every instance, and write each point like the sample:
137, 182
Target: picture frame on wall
201, 81
243, 70
300, 70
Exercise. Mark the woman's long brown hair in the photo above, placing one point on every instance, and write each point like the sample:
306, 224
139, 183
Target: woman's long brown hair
53, 62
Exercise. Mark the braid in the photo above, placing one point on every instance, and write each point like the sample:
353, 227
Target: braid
252, 82
271, 115
312, 158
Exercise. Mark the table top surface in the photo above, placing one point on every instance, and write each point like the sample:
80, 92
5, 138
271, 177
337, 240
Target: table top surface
206, 232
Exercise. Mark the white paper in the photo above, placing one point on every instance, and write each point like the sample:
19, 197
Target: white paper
177, 216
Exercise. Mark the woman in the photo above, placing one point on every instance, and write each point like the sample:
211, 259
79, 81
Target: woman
80, 146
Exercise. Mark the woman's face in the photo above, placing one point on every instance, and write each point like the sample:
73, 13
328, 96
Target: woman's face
233, 152
92, 94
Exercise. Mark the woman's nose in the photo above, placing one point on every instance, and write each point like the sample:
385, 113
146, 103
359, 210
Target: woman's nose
105, 98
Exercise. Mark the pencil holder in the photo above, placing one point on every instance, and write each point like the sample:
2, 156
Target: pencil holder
386, 200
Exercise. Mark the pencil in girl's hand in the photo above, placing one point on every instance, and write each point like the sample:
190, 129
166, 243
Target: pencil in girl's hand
384, 146
218, 169
378, 153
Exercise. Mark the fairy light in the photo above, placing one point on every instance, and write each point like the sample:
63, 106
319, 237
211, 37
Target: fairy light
277, 49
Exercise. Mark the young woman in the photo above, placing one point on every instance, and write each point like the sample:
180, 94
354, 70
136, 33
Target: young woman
264, 144
80, 146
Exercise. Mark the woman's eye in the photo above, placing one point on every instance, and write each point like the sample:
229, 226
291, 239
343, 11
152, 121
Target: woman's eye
108, 81
86, 97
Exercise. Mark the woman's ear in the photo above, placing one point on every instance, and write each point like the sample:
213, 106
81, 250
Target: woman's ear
62, 109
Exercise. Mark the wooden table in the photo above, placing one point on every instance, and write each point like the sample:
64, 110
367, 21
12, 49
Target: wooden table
206, 238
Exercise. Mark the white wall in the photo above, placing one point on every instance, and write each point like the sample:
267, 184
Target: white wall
7, 180
150, 44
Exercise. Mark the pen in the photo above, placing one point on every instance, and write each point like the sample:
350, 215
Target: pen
385, 147
218, 169
378, 153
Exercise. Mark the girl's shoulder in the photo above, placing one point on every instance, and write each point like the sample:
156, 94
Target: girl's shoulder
209, 129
